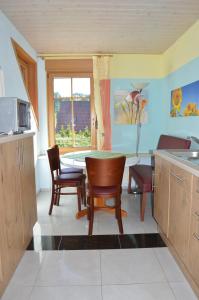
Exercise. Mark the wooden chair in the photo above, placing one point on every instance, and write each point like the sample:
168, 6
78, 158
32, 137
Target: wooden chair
142, 174
66, 170
60, 180
104, 181
71, 170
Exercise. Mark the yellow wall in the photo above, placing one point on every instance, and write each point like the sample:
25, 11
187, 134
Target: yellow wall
136, 66
181, 52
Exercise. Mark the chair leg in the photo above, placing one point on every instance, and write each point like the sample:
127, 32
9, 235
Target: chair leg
79, 197
116, 213
91, 219
119, 215
88, 208
84, 192
129, 183
152, 204
57, 200
143, 200
52, 201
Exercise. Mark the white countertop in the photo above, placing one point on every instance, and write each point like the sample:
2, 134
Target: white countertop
178, 161
13, 137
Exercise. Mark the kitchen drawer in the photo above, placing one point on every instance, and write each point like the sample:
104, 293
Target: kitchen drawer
195, 203
182, 177
194, 249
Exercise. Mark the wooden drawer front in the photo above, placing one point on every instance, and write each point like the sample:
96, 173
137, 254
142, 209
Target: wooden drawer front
182, 177
161, 193
195, 204
162, 168
195, 225
194, 249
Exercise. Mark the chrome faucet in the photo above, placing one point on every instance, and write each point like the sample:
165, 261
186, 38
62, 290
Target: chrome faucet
194, 138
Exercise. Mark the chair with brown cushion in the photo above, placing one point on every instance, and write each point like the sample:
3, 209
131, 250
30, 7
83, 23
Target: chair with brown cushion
71, 170
60, 181
104, 181
142, 174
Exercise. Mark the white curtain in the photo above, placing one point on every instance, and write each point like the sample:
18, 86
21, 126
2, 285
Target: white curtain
101, 69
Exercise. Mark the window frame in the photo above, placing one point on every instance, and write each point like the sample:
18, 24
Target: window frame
51, 116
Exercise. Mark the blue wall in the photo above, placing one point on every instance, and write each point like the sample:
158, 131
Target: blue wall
183, 126
158, 92
124, 136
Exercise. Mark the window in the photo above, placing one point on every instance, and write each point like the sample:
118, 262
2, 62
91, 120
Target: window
70, 110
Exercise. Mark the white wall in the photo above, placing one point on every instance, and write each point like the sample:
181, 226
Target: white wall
13, 82
2, 83
42, 170
42, 96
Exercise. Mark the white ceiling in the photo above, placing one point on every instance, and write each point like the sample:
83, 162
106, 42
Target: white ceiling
101, 26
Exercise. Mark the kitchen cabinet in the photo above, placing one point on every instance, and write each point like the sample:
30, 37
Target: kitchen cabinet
27, 188
161, 193
176, 210
194, 233
179, 210
17, 203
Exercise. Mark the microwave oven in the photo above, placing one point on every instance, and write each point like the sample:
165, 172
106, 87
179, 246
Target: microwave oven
14, 115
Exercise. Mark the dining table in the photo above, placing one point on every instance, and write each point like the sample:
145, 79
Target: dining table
77, 159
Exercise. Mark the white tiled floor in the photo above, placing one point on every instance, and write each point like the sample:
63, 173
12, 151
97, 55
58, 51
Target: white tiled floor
139, 274
63, 221
127, 274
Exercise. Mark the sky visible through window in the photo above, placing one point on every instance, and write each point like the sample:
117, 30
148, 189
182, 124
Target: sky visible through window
63, 86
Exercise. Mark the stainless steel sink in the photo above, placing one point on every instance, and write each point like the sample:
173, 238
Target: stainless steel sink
192, 156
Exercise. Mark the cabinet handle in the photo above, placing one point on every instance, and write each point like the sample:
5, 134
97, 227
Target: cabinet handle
22, 154
153, 181
177, 177
19, 156
196, 214
196, 236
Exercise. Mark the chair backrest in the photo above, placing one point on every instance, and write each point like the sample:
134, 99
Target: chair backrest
53, 160
58, 157
105, 172
172, 142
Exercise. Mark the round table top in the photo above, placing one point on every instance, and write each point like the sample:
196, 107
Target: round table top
77, 159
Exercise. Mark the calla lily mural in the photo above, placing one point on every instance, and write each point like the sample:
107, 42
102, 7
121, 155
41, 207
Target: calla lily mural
130, 107
185, 101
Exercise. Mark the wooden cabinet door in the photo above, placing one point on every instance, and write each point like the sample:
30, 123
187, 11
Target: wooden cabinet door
17, 204
194, 233
161, 193
4, 260
27, 188
179, 211
11, 211
6, 266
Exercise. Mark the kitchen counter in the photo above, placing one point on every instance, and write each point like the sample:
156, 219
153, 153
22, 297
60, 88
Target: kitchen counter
14, 137
185, 164
176, 207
